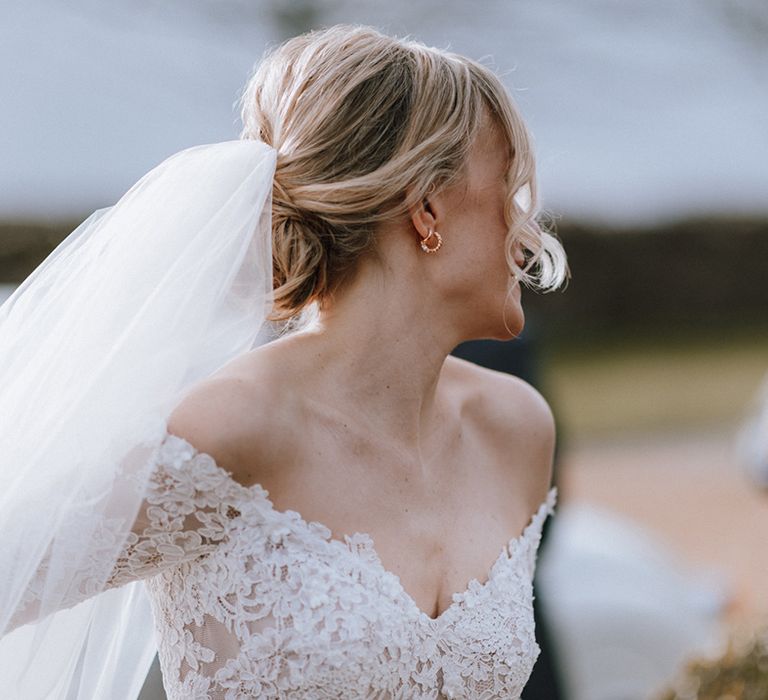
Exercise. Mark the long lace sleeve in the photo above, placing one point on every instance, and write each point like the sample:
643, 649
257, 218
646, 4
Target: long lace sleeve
185, 513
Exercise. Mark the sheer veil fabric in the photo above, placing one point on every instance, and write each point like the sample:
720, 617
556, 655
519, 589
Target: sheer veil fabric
97, 346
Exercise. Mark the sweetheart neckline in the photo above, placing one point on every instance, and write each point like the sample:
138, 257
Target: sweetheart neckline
326, 535
505, 555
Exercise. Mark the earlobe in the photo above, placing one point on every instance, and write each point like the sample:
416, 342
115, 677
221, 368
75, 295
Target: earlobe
424, 221
423, 218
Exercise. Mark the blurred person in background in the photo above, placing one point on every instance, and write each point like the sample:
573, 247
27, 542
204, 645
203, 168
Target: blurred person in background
753, 439
379, 180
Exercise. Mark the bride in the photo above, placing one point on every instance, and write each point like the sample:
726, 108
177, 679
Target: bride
344, 510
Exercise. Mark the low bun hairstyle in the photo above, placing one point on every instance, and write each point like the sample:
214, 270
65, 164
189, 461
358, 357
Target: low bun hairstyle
364, 126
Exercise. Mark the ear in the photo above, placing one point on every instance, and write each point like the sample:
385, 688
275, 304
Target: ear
424, 217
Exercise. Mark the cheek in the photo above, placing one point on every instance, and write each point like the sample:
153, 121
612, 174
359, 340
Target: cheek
486, 222
481, 232
493, 206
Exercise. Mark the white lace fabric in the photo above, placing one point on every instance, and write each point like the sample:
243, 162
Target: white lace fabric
254, 602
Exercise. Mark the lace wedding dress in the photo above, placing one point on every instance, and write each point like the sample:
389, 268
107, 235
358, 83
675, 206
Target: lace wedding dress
248, 601
253, 602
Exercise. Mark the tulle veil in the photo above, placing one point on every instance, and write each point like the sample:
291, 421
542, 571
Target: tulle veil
97, 346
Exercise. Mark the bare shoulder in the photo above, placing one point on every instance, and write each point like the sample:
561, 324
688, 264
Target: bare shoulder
232, 416
503, 396
514, 418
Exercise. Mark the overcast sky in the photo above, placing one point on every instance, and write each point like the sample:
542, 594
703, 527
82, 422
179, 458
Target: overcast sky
642, 110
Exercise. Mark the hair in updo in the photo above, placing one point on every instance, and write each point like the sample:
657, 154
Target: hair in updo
365, 126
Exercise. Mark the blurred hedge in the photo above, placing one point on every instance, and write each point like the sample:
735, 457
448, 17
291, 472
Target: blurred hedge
24, 245
706, 275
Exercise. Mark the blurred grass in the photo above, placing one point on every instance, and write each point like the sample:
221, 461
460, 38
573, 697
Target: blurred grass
684, 381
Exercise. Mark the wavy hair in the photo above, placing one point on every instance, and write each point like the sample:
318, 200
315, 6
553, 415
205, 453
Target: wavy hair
365, 127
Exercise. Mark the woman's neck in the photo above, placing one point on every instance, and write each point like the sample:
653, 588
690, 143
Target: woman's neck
380, 352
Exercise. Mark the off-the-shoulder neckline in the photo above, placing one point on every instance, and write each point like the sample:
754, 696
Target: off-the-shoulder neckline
325, 534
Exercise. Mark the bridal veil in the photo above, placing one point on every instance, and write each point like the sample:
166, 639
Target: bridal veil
97, 346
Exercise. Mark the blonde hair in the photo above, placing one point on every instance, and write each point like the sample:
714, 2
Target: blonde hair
365, 127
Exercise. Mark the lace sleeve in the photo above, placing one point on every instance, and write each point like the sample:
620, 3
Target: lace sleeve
189, 505
187, 510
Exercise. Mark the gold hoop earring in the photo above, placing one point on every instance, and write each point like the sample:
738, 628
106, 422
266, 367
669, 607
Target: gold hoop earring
424, 245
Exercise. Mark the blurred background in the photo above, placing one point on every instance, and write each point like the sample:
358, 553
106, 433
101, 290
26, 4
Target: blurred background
650, 124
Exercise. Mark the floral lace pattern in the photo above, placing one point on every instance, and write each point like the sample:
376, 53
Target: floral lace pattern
254, 602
